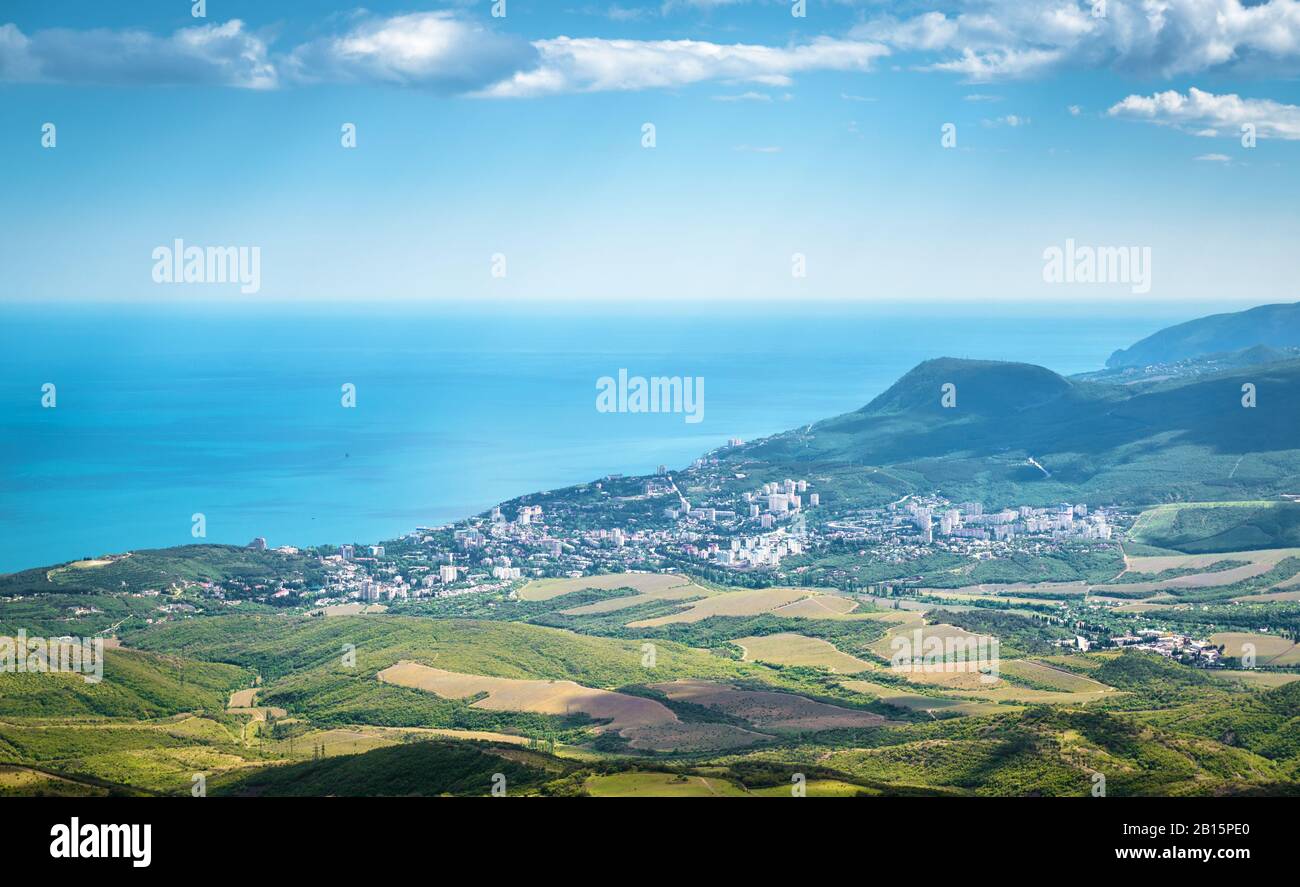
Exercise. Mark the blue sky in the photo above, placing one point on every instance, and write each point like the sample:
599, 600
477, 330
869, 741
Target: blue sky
775, 135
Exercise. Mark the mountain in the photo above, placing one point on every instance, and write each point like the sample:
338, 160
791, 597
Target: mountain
1272, 326
1209, 364
1017, 432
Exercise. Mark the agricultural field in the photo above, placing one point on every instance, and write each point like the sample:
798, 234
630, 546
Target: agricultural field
618, 711
657, 685
686, 592
787, 648
661, 785
920, 640
642, 583
818, 606
914, 702
768, 710
1205, 571
1256, 678
644, 722
1208, 527
734, 603
1268, 649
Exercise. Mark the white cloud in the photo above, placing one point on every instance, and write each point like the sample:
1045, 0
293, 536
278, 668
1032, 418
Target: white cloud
1215, 158
596, 64
1074, 110
223, 55
1204, 113
1012, 120
443, 51
997, 39
438, 50
744, 97
999, 65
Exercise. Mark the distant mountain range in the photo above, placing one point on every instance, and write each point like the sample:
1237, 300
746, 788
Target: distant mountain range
1013, 432
1267, 327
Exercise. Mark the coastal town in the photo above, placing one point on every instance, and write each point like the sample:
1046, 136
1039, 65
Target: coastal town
739, 533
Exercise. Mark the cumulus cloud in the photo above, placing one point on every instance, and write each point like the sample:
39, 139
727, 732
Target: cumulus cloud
443, 51
1006, 39
596, 64
1207, 114
439, 50
450, 51
220, 55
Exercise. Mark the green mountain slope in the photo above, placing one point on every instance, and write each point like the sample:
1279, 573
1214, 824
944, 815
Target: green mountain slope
135, 685
417, 769
1199, 528
1275, 326
1023, 432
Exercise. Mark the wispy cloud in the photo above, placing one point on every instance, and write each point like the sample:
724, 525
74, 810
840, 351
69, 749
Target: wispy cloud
210, 55
597, 65
441, 51
744, 97
1012, 120
1206, 114
1006, 39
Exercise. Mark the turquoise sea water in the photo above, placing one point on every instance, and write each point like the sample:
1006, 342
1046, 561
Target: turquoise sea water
234, 411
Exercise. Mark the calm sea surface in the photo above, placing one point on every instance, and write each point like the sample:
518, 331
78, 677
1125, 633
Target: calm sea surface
164, 411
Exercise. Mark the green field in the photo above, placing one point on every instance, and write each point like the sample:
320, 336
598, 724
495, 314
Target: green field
1209, 527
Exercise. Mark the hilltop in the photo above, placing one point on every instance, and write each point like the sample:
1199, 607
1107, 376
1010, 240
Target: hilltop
1273, 326
1170, 440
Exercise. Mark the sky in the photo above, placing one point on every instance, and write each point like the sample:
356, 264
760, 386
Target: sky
865, 151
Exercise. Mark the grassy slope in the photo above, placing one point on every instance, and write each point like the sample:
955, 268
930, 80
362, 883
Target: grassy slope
1206, 528
135, 685
418, 768
159, 569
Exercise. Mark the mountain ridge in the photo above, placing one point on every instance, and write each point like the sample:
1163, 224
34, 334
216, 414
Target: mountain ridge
1276, 326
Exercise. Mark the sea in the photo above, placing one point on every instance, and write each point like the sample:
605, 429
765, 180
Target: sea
121, 422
